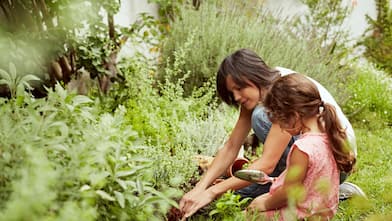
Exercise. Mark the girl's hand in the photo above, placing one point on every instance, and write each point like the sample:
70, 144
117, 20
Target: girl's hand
258, 204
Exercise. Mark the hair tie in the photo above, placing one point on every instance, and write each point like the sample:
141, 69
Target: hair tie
321, 107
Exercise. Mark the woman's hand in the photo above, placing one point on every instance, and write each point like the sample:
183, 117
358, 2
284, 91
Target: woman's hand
195, 199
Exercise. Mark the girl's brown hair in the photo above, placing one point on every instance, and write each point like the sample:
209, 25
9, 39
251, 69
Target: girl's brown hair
295, 94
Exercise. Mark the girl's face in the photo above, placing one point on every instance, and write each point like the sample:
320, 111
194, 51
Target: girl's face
248, 97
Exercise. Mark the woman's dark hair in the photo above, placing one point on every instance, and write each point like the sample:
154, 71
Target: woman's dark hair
243, 65
296, 94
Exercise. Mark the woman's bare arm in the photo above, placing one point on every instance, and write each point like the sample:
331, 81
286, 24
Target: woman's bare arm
226, 155
273, 148
200, 195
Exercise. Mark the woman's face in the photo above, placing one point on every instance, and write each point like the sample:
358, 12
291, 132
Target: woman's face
248, 97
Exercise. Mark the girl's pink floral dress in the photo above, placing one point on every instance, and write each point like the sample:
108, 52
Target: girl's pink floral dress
321, 184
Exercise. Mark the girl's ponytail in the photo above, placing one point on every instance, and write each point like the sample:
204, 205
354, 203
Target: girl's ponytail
336, 134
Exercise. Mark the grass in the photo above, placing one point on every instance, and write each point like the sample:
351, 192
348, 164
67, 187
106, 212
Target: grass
372, 104
373, 175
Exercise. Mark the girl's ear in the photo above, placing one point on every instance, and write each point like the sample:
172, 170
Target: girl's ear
298, 119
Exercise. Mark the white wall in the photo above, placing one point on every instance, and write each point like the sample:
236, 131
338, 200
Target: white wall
128, 14
130, 9
356, 22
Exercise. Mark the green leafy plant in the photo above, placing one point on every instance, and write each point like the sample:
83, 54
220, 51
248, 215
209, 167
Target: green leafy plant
378, 42
228, 207
68, 37
76, 159
325, 21
370, 103
169, 9
159, 111
16, 83
39, 41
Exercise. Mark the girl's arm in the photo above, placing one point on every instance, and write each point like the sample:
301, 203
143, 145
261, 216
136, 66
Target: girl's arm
298, 164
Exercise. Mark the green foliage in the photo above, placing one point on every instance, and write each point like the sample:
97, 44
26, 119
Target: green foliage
15, 83
169, 9
68, 157
325, 22
373, 175
168, 121
370, 103
378, 42
62, 160
212, 31
229, 207
95, 49
161, 106
56, 40
177, 127
40, 35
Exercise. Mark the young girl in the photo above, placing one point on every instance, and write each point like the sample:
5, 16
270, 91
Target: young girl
316, 157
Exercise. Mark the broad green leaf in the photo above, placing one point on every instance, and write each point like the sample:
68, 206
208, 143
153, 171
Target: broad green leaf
163, 196
120, 198
3, 81
5, 76
97, 179
62, 127
122, 183
29, 77
139, 187
129, 172
104, 195
12, 71
80, 99
85, 187
61, 91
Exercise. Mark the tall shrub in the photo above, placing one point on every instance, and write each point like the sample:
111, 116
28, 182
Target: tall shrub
378, 42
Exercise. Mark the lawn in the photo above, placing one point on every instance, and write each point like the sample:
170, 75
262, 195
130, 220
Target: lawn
373, 175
